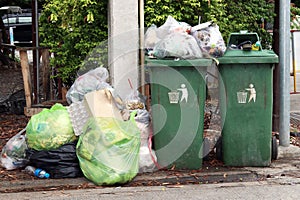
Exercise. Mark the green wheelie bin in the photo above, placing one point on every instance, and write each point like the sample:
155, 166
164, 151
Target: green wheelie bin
178, 94
246, 101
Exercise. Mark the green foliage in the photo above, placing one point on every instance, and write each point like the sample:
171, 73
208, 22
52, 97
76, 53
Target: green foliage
72, 29
295, 22
157, 11
250, 16
230, 15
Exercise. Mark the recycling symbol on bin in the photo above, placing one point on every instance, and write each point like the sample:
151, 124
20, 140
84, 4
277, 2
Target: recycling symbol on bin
182, 92
242, 95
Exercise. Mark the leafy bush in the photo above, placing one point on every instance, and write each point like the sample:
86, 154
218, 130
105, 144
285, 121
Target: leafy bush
294, 19
72, 29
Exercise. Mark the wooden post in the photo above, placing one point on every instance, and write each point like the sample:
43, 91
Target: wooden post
26, 76
46, 73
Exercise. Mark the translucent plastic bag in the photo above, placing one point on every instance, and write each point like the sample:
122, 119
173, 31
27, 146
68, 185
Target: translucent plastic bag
13, 154
180, 45
108, 150
153, 34
172, 26
50, 129
147, 161
135, 100
92, 80
151, 37
210, 40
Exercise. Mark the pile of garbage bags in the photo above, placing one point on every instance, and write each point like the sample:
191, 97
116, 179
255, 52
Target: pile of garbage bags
99, 135
180, 40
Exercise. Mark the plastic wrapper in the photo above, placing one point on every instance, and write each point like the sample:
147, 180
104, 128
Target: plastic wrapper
134, 100
210, 40
92, 80
142, 120
147, 155
146, 162
108, 151
59, 163
179, 45
50, 129
13, 154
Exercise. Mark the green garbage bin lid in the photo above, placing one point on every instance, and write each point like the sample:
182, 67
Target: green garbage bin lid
240, 56
237, 55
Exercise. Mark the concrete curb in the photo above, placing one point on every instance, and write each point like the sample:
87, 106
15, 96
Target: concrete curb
284, 170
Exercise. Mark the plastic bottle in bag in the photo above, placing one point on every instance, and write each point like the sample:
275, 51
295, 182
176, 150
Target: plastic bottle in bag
37, 172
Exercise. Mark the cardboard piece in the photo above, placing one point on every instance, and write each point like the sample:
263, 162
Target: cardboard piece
98, 103
101, 103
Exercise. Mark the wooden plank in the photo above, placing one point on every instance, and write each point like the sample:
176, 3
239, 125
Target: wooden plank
46, 73
26, 76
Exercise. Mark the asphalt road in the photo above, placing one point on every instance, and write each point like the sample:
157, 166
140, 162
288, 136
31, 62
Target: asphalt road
245, 191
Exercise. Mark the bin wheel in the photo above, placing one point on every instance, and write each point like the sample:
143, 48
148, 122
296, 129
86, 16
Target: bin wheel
274, 148
205, 148
219, 149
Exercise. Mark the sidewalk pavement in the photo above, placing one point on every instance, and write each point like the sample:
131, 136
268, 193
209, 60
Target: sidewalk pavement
284, 170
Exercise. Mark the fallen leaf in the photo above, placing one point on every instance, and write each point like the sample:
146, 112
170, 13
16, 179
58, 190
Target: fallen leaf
175, 186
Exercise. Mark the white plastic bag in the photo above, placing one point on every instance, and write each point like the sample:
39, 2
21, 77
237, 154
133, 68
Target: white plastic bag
151, 37
147, 161
153, 34
179, 45
14, 152
210, 40
172, 26
92, 80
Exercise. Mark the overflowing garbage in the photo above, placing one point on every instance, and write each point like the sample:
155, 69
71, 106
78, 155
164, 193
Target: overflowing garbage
99, 135
180, 40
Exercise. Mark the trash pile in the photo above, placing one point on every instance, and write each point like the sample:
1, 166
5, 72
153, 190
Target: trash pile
181, 40
98, 136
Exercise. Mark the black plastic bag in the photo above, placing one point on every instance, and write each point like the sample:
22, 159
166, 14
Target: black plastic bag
59, 163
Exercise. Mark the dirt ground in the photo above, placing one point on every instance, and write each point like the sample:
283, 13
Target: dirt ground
11, 81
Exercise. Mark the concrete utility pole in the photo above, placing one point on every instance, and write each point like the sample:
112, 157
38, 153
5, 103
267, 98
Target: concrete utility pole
123, 45
284, 65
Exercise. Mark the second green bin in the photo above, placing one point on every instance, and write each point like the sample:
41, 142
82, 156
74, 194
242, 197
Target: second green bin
178, 93
246, 100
